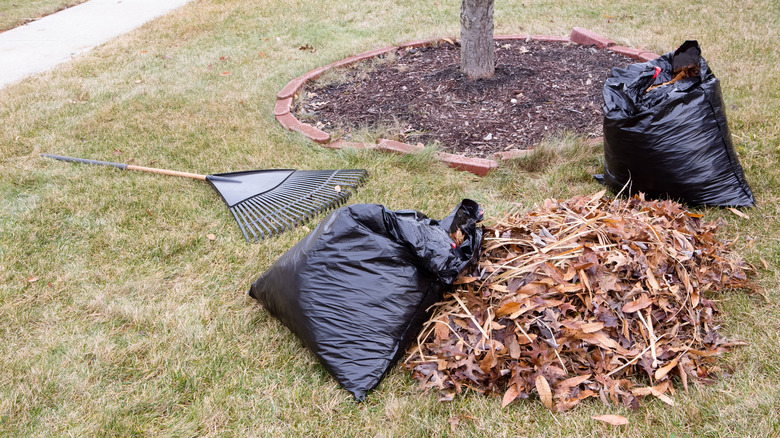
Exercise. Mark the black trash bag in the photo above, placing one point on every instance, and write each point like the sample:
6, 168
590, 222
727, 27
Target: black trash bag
356, 289
672, 141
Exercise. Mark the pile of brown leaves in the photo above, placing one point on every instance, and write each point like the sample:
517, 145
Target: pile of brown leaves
582, 298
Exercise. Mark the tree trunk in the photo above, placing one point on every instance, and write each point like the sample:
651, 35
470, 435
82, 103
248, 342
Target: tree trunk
477, 51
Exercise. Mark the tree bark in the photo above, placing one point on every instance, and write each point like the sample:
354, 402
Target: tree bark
477, 51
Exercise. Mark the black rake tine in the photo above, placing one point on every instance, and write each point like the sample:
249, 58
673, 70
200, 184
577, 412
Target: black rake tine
346, 185
341, 198
322, 201
301, 206
316, 180
310, 192
259, 219
342, 180
264, 218
273, 212
251, 216
284, 201
299, 185
304, 195
241, 226
353, 179
291, 197
358, 174
272, 216
301, 211
350, 182
243, 223
241, 218
324, 190
292, 216
320, 176
300, 203
292, 203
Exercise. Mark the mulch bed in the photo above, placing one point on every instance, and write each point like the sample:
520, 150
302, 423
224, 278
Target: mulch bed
539, 89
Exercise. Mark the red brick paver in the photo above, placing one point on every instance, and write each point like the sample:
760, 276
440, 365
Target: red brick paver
313, 133
589, 38
282, 106
477, 166
397, 147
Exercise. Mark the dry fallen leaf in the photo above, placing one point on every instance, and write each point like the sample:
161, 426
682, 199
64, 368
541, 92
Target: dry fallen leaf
639, 304
32, 279
454, 422
442, 330
592, 327
615, 420
660, 373
543, 388
225, 73
739, 213
509, 396
465, 280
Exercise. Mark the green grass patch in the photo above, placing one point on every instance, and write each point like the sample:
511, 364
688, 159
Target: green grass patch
119, 317
15, 13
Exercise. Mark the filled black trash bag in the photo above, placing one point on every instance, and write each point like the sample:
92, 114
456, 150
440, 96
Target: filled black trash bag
356, 289
672, 141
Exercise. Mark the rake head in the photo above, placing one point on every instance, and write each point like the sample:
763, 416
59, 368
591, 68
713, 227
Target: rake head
266, 203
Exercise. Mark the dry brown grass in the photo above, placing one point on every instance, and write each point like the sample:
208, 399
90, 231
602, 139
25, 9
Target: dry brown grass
119, 317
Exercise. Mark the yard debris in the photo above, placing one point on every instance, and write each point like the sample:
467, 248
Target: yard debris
587, 297
685, 64
615, 420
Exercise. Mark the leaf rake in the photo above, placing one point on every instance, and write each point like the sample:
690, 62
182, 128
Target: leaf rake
267, 202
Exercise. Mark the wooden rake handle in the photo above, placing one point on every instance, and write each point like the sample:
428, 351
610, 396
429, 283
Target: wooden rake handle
127, 166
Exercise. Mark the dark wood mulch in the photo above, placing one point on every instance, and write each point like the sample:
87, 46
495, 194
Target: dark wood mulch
539, 88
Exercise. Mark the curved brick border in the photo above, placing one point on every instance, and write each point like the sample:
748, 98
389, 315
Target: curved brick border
478, 166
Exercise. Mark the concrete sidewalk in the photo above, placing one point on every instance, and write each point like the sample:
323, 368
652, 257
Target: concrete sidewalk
56, 38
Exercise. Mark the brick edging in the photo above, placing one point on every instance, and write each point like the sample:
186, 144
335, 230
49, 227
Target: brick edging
477, 166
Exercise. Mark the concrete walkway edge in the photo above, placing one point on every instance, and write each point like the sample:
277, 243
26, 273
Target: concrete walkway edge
42, 44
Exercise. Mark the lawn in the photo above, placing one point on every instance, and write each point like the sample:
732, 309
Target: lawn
16, 12
120, 316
